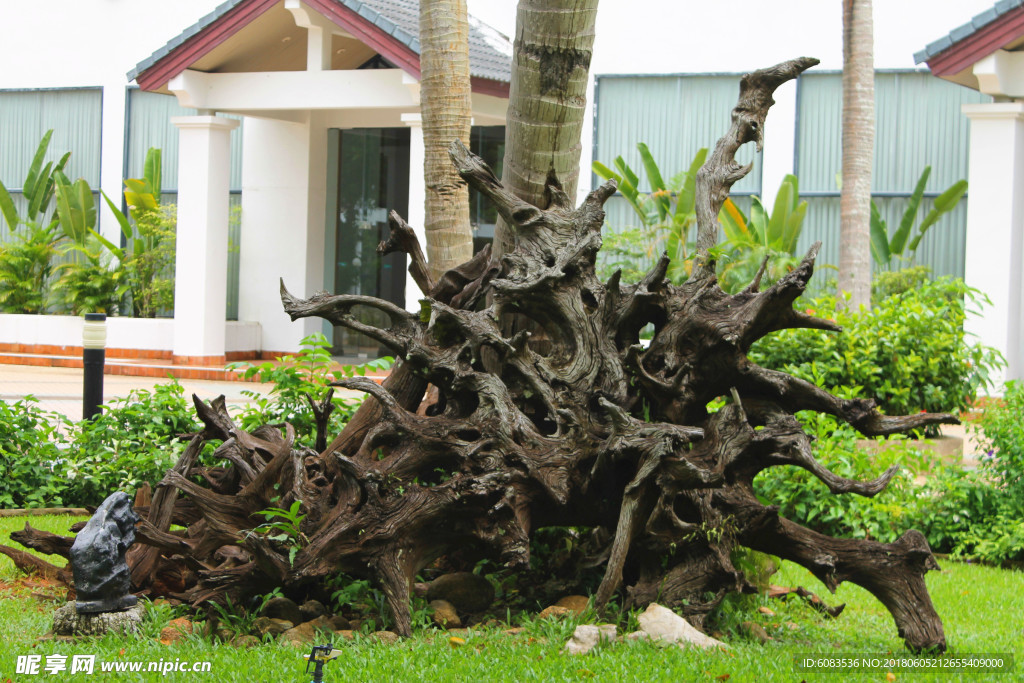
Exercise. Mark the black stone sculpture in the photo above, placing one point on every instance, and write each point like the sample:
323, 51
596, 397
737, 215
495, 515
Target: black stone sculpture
102, 579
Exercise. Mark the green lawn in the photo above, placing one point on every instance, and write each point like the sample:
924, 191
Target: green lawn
980, 606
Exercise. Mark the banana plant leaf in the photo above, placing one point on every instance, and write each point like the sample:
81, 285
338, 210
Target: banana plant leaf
899, 239
944, 203
658, 189
879, 238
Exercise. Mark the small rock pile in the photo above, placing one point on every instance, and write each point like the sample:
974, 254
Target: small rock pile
656, 623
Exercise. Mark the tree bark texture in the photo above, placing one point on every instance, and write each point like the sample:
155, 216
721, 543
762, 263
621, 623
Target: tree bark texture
596, 432
548, 94
858, 153
447, 115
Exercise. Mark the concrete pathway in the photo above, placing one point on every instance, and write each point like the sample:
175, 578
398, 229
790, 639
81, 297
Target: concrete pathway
60, 389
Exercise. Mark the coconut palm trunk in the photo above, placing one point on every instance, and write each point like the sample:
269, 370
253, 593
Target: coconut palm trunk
553, 44
858, 149
446, 109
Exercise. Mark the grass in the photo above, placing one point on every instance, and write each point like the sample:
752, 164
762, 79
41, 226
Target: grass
980, 607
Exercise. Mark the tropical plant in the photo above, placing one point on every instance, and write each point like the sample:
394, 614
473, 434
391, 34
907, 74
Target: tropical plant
26, 260
666, 215
92, 281
26, 265
30, 455
445, 95
37, 189
768, 238
888, 251
148, 260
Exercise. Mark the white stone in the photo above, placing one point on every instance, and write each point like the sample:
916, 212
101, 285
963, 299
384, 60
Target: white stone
663, 624
586, 637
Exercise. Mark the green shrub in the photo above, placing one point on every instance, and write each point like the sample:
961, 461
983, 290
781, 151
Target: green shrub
891, 282
133, 441
1002, 428
30, 455
803, 498
909, 352
298, 379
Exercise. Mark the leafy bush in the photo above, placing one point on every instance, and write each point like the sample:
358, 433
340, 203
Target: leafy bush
299, 379
1002, 428
892, 282
131, 442
909, 352
805, 499
30, 455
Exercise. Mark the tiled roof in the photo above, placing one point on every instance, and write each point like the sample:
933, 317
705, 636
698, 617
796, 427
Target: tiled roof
490, 52
968, 29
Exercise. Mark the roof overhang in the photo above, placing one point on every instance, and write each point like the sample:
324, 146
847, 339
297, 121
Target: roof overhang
215, 30
974, 54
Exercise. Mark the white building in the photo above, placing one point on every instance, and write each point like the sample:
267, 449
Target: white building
987, 55
312, 119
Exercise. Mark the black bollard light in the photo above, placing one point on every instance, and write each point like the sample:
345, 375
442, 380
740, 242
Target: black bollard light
94, 344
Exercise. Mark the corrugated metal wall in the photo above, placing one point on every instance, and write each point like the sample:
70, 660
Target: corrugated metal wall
74, 115
675, 115
149, 125
918, 123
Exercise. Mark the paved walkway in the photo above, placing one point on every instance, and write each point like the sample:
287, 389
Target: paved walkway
60, 389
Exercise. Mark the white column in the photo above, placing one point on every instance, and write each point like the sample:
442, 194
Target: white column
200, 277
283, 209
417, 200
995, 227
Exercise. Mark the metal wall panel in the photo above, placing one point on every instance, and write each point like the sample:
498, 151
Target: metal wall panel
942, 248
674, 115
25, 115
149, 125
917, 123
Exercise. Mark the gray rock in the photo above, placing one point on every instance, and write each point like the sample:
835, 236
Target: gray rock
282, 608
68, 621
102, 578
586, 637
663, 624
311, 609
465, 591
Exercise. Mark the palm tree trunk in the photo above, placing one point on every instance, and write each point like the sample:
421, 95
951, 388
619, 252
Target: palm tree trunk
446, 109
553, 44
858, 148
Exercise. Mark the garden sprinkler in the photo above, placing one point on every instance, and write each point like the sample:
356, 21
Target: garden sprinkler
320, 655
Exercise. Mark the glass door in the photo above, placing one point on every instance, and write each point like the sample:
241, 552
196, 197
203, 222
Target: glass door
373, 179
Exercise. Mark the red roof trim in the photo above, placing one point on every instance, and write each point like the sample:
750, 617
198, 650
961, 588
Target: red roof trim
979, 44
485, 86
223, 28
193, 49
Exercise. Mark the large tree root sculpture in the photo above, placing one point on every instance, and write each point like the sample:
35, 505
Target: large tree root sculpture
592, 430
